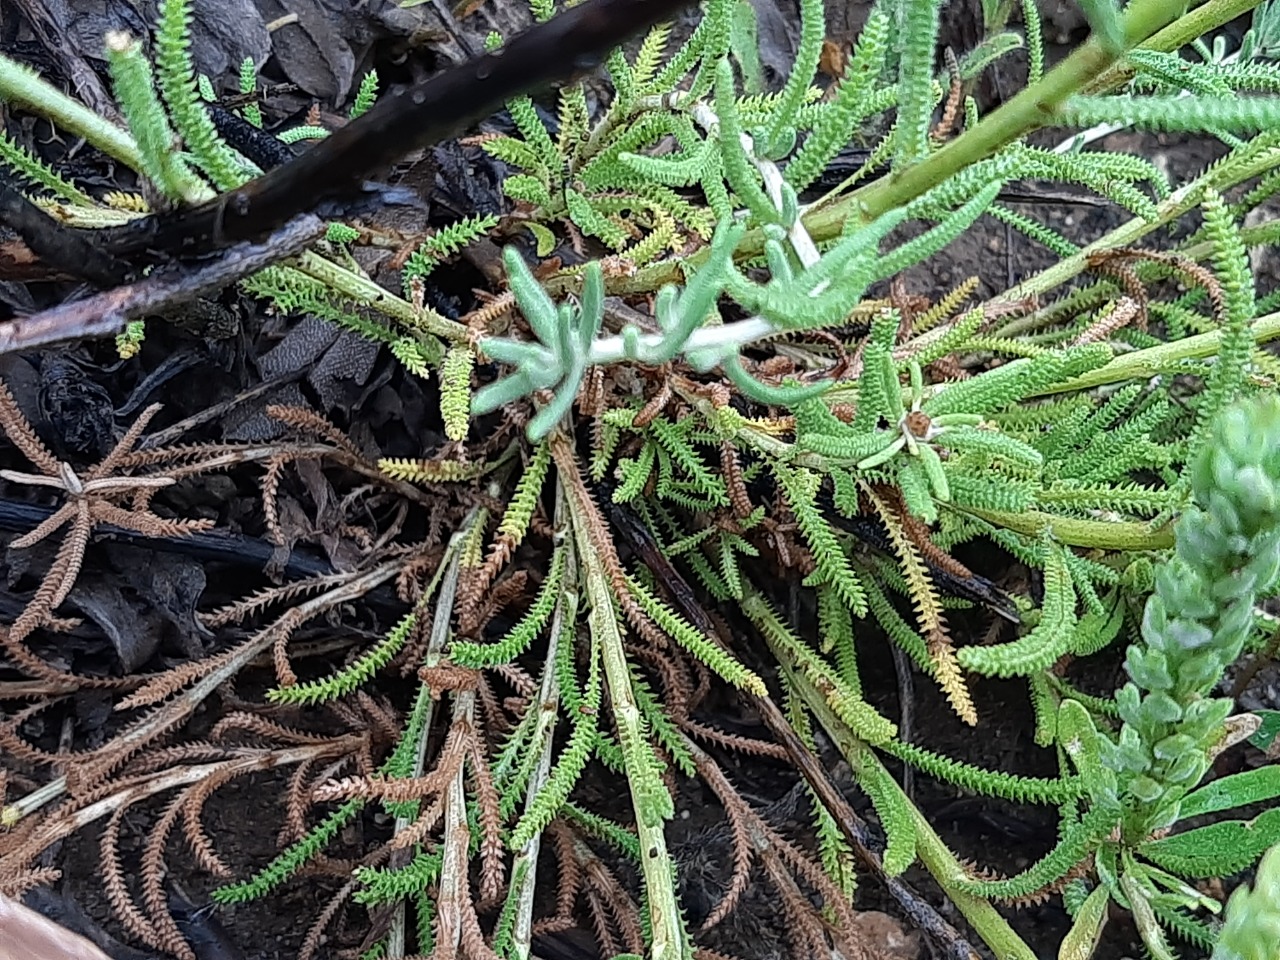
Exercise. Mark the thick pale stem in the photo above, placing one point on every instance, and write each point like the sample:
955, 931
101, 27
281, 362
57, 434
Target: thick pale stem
1191, 25
655, 862
526, 861
363, 290
446, 577
455, 892
1163, 358
23, 86
1030, 110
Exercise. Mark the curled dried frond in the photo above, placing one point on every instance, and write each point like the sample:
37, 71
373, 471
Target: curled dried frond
740, 816
257, 602
928, 606
270, 730
19, 430
97, 497
310, 424
491, 845
732, 741
418, 831
154, 897
431, 471
19, 882
613, 905
117, 889
449, 678
200, 843
270, 499
314, 939
1120, 315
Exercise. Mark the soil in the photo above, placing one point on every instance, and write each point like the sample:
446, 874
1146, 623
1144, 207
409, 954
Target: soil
245, 816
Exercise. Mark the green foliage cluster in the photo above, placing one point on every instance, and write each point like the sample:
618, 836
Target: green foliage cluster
1142, 780
779, 394
167, 109
1252, 928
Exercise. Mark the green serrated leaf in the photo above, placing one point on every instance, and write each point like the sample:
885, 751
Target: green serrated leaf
1079, 738
1217, 849
1237, 790
543, 237
1082, 939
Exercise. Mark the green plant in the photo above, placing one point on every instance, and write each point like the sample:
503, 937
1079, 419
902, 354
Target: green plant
322, 282
1251, 929
759, 396
1143, 781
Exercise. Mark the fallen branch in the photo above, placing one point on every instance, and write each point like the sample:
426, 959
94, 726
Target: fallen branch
106, 314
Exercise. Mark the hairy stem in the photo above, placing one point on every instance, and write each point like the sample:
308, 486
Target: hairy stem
1030, 110
1162, 358
23, 86
1190, 26
1220, 177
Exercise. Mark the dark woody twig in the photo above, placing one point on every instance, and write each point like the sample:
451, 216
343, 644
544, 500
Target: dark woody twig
105, 314
402, 121
59, 247
265, 215
215, 546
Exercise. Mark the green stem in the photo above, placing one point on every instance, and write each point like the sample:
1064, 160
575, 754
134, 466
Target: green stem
1078, 532
933, 852
363, 290
1190, 26
22, 85
1220, 177
657, 867
1030, 110
1161, 359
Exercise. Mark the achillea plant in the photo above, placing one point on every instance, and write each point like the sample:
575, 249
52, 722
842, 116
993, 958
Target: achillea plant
1143, 780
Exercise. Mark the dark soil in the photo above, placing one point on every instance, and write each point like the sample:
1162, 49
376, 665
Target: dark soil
384, 405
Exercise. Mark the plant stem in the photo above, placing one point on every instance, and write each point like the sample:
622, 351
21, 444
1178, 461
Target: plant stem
1162, 358
1190, 26
548, 703
656, 865
933, 852
1031, 109
1220, 177
364, 290
22, 85
1027, 112
1079, 532
454, 896
447, 577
